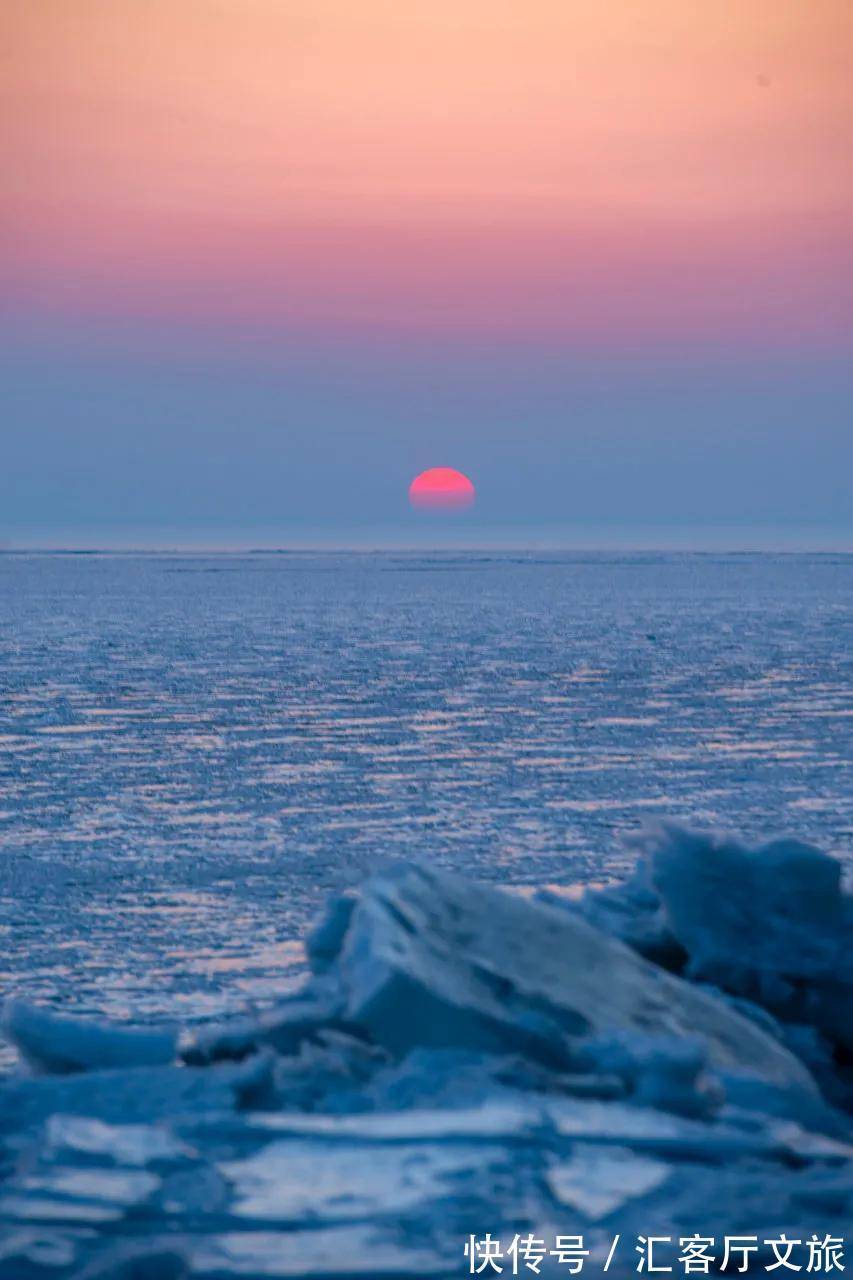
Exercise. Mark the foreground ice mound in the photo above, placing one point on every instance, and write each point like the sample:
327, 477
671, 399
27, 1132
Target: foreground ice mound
778, 930
461, 1060
771, 925
428, 959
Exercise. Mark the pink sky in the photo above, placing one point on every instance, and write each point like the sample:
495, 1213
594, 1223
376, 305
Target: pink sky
606, 170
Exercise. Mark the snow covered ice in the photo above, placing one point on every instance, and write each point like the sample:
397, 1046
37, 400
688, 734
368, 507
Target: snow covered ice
666, 1056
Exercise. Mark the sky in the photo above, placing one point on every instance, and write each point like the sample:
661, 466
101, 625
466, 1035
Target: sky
261, 261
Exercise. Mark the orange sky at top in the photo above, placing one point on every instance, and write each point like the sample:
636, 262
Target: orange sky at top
555, 163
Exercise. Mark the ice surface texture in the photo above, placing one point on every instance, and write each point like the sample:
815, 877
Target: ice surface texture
196, 750
462, 1059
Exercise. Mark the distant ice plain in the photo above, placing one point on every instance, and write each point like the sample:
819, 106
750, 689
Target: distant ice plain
195, 748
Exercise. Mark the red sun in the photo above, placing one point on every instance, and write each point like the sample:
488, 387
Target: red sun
441, 489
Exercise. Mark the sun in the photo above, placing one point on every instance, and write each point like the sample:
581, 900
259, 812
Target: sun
441, 489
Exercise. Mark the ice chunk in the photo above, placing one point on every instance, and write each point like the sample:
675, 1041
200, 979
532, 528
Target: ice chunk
508, 1120
299, 1181
771, 924
59, 1185
659, 1071
733, 1134
117, 1186
791, 889
597, 1181
430, 959
803, 1145
334, 1253
630, 911
661, 1133
453, 1078
56, 1044
133, 1144
324, 941
136, 1094
284, 1028
26, 1208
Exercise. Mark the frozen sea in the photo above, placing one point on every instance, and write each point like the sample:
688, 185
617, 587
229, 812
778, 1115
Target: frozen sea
195, 749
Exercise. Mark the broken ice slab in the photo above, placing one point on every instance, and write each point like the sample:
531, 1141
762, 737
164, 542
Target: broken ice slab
334, 1253
283, 1028
772, 924
72, 1195
630, 911
661, 1133
138, 1094
597, 1181
119, 1186
802, 1144
430, 959
505, 1120
498, 1120
23, 1207
294, 1181
79, 1137
792, 890
52, 1043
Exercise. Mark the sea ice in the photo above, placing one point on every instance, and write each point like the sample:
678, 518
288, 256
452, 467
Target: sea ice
460, 1059
351, 1251
299, 1182
772, 925
431, 960
598, 1181
128, 1144
56, 1044
135, 1095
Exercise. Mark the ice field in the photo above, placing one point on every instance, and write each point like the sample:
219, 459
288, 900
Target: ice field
196, 749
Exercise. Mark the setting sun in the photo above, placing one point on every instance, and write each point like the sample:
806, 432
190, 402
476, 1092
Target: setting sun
441, 488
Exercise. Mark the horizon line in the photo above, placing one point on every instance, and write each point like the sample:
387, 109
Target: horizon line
440, 549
